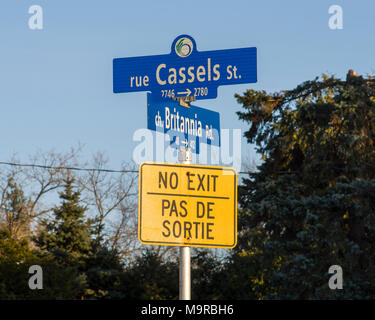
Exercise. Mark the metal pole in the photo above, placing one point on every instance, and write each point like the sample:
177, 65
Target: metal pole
185, 156
185, 278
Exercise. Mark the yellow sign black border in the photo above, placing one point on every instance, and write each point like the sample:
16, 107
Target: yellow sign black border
204, 245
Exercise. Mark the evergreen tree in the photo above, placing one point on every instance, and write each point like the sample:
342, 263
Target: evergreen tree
150, 278
59, 282
68, 236
311, 204
103, 271
15, 212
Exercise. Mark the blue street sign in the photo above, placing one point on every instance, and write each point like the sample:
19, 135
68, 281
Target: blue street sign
186, 127
185, 71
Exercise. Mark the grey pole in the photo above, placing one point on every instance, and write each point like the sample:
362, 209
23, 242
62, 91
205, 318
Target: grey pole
185, 156
185, 279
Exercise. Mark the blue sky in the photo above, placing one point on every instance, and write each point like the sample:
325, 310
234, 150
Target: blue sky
56, 83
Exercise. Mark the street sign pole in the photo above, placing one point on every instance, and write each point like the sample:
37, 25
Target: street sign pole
184, 274
185, 156
186, 74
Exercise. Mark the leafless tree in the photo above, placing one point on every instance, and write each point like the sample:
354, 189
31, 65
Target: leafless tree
42, 175
111, 198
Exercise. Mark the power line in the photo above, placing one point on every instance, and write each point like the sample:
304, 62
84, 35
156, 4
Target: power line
113, 170
76, 168
66, 168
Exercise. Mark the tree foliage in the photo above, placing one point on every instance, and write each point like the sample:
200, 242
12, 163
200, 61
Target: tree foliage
78, 262
15, 211
311, 204
68, 235
16, 258
151, 278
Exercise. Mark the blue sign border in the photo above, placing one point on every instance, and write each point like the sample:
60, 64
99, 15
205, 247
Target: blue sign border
186, 127
197, 74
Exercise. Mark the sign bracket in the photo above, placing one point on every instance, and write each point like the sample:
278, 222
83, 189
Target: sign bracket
185, 101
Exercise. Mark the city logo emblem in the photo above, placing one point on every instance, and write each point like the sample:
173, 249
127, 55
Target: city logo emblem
183, 47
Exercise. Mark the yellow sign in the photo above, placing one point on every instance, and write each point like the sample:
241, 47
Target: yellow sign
187, 205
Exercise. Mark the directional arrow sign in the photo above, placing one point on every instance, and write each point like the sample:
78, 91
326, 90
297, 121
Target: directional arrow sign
184, 93
185, 71
186, 126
